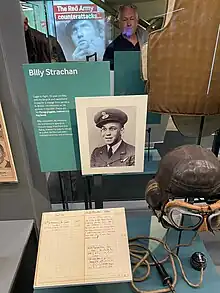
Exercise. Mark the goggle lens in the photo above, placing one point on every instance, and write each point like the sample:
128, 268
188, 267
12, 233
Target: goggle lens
185, 220
214, 221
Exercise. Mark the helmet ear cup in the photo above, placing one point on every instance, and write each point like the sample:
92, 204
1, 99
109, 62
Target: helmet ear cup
153, 195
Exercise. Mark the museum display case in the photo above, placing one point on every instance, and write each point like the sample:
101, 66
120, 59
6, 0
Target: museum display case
109, 104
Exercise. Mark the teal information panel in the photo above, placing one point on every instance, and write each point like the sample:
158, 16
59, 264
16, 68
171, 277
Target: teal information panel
52, 89
127, 78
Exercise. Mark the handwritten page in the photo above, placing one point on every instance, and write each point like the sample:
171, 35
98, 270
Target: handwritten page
83, 247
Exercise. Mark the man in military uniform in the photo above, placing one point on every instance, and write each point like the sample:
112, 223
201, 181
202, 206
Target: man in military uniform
116, 152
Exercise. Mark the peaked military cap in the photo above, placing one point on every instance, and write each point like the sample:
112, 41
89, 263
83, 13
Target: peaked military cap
110, 115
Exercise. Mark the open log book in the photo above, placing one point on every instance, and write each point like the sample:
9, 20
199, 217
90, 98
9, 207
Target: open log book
82, 248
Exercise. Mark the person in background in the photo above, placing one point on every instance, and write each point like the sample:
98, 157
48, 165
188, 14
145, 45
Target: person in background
128, 40
87, 37
41, 49
56, 51
36, 44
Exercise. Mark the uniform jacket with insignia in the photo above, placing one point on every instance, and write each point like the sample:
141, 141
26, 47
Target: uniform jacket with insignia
123, 156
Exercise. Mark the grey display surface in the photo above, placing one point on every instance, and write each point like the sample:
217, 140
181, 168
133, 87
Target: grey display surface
14, 236
141, 223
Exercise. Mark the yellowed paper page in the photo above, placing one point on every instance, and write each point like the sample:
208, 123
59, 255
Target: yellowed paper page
61, 249
83, 247
106, 247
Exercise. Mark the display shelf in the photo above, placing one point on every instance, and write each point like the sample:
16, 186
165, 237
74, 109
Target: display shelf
18, 248
141, 223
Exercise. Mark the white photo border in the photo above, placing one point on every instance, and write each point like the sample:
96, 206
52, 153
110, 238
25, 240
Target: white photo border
138, 101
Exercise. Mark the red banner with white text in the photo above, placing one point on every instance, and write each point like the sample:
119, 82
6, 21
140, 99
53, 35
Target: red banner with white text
77, 11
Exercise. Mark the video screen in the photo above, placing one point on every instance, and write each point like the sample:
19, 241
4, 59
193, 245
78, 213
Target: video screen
79, 28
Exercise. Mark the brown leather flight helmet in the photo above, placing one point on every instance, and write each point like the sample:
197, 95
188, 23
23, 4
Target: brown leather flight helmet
183, 60
188, 171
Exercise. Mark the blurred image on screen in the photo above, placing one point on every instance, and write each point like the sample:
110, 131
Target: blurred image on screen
80, 29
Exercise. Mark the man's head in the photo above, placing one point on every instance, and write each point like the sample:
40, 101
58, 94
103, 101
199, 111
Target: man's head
112, 132
128, 19
83, 32
2, 154
111, 122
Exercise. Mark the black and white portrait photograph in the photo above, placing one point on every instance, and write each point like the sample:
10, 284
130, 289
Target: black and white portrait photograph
111, 133
112, 136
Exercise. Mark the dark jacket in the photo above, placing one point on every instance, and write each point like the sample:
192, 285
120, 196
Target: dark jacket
37, 46
40, 49
119, 44
124, 156
56, 51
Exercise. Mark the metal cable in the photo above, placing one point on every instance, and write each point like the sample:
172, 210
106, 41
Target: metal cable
141, 253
